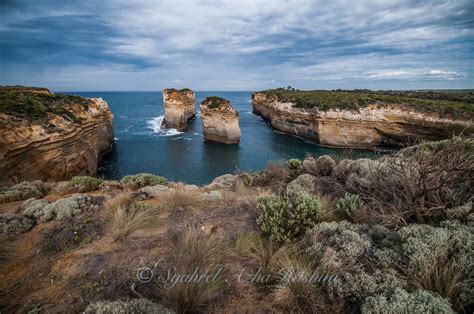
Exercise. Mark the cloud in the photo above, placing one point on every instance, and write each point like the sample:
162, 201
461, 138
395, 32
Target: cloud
238, 44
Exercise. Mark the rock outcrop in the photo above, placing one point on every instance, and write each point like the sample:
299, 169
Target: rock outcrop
372, 125
50, 136
179, 108
220, 122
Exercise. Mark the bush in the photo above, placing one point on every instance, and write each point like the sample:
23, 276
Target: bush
62, 208
129, 216
143, 179
286, 217
83, 184
193, 250
125, 307
15, 223
403, 302
348, 206
303, 183
322, 166
24, 190
294, 164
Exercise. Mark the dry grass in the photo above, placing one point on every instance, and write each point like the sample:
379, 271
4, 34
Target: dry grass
129, 216
443, 278
184, 199
274, 176
245, 243
290, 293
328, 204
192, 251
7, 249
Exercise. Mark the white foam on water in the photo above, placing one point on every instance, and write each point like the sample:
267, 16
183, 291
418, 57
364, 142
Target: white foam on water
116, 138
155, 125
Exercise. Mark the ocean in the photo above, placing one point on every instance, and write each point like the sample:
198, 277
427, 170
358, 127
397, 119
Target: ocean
141, 145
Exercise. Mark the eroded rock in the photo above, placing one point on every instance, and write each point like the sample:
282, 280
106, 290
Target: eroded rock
179, 108
220, 122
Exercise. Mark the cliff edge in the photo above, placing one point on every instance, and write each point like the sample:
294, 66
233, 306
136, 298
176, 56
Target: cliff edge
50, 136
366, 119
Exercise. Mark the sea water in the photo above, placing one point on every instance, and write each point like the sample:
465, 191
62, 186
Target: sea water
142, 145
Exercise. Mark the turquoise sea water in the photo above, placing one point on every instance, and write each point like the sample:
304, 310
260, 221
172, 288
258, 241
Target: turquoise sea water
142, 146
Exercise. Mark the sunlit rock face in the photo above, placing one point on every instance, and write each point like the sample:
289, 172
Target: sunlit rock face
68, 138
179, 108
220, 122
366, 127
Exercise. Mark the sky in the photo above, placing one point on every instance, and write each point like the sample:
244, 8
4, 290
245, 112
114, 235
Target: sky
237, 45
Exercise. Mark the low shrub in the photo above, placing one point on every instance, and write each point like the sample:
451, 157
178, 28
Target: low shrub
349, 205
61, 209
129, 306
401, 301
141, 180
71, 234
193, 251
322, 166
24, 190
82, 184
286, 217
294, 164
129, 216
303, 183
275, 175
15, 223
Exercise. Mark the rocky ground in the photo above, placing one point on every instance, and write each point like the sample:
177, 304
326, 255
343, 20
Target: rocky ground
394, 234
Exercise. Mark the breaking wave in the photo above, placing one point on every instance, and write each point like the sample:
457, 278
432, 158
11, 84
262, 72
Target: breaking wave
155, 125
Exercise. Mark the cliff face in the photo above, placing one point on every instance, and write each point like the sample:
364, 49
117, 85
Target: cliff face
69, 136
220, 122
179, 108
369, 126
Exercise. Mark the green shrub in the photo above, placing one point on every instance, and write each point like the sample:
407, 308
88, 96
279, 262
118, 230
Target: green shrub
401, 301
129, 306
348, 206
62, 208
286, 217
141, 180
15, 223
82, 184
294, 164
24, 190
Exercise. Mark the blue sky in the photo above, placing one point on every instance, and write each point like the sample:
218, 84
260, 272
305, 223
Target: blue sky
237, 45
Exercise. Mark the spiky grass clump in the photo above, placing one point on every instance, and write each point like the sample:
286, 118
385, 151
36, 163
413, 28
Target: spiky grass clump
129, 216
82, 184
184, 199
349, 205
245, 243
194, 251
294, 164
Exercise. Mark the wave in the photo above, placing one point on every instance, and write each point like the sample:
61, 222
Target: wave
155, 125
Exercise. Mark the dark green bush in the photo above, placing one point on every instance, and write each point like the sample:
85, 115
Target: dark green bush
348, 205
294, 163
287, 216
141, 180
82, 184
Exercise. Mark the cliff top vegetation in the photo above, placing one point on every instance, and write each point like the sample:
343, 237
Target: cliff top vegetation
35, 106
455, 103
214, 102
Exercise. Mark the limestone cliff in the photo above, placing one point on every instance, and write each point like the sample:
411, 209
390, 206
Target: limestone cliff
179, 108
50, 136
220, 122
374, 124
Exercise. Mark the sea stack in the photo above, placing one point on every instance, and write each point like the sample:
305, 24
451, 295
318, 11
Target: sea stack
179, 108
220, 122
